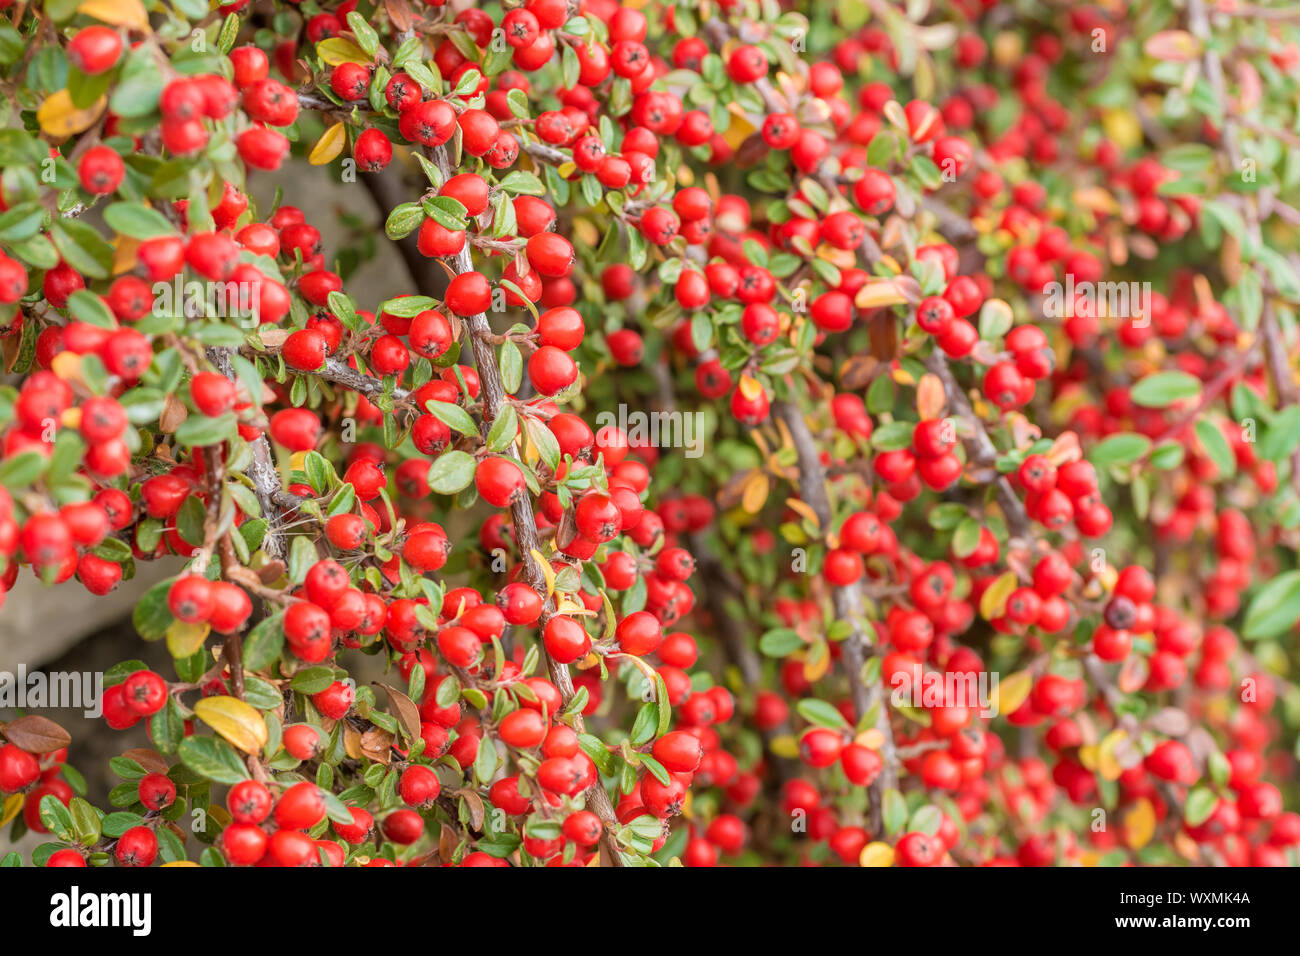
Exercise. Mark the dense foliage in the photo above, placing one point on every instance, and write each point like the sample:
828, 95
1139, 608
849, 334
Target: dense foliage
859, 433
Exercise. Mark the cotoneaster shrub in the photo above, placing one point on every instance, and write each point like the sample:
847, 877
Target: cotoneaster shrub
753, 380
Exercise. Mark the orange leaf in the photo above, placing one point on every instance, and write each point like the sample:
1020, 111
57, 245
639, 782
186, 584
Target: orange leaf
1177, 46
930, 397
755, 494
750, 387
878, 293
1139, 824
804, 510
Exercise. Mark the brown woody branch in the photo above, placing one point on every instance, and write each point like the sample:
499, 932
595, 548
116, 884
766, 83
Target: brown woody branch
984, 453
493, 396
848, 605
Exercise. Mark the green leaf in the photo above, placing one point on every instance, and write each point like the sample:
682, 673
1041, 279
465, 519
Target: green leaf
137, 220
87, 307
403, 220
312, 680
1216, 447
645, 725
1282, 435
82, 247
201, 431
893, 811
57, 818
335, 808
966, 538
1122, 449
213, 759
167, 727
1188, 157
520, 183
1200, 804
926, 819
485, 762
152, 616
1164, 388
511, 364
22, 469
655, 767
821, 713
504, 429
892, 436
543, 440
453, 416
263, 643
1167, 455
85, 822
780, 642
451, 471
1274, 609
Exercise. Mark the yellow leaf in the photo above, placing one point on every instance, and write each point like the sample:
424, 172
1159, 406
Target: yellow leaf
238, 722
184, 639
1088, 756
1013, 691
547, 571
877, 293
1108, 765
1095, 199
994, 601
901, 376
817, 663
124, 254
336, 50
567, 605
12, 806
1139, 824
329, 146
872, 738
181, 863
59, 118
566, 170
740, 129
221, 815
586, 231
755, 494
120, 13
784, 746
930, 397
877, 854
804, 510
1122, 127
